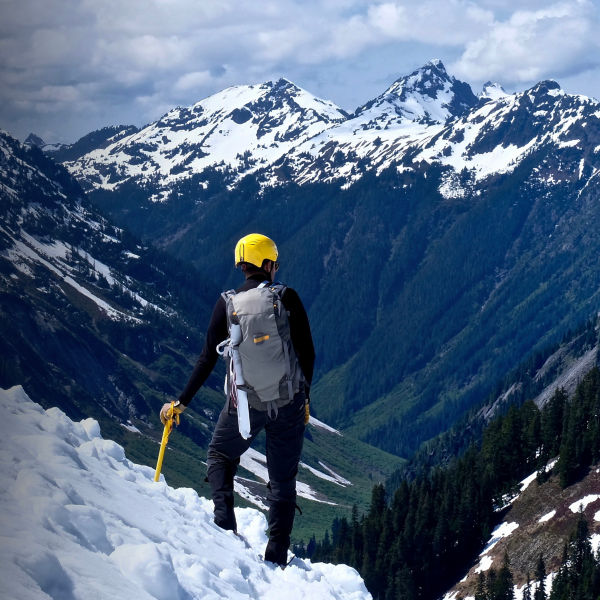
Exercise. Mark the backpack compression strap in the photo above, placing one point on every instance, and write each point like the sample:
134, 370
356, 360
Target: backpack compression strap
279, 289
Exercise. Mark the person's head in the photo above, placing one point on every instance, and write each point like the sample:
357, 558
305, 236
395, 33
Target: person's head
256, 253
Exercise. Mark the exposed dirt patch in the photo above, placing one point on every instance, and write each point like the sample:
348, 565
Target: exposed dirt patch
532, 537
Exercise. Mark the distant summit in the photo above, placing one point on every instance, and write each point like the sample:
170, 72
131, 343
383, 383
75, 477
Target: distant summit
241, 129
279, 132
34, 140
428, 95
492, 91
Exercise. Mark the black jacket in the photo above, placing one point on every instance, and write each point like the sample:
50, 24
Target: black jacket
217, 332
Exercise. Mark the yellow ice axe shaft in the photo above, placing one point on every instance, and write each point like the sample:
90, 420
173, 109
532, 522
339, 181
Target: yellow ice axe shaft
165, 439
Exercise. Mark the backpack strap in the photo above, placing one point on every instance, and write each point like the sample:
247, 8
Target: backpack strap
286, 353
227, 294
279, 288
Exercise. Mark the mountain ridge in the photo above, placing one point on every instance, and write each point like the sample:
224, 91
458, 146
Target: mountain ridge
408, 115
471, 241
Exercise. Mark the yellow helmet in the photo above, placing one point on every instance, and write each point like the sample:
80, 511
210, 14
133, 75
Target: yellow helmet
254, 248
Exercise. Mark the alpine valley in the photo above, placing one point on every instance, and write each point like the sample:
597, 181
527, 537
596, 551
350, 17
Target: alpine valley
445, 245
437, 238
99, 324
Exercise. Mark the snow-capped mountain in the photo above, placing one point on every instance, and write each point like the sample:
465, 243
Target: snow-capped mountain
496, 137
80, 521
492, 137
428, 95
48, 225
245, 129
34, 140
70, 280
380, 132
242, 128
282, 133
492, 91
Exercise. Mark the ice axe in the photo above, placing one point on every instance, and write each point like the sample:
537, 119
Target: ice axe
171, 416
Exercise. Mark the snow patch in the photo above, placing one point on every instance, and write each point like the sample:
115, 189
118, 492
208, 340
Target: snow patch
502, 531
484, 564
256, 463
547, 516
130, 427
98, 526
316, 423
584, 502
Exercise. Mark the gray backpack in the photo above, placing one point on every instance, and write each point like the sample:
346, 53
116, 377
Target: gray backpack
271, 372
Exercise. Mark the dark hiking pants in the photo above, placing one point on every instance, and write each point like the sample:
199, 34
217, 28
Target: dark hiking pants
285, 435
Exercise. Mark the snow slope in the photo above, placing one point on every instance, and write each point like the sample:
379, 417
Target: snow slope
80, 521
244, 127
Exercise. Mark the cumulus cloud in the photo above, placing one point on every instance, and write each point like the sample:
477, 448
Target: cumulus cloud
193, 80
86, 63
558, 40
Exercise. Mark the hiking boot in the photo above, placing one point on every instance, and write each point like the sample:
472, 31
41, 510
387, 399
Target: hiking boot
276, 553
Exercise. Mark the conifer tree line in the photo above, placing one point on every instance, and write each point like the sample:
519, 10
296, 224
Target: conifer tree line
419, 542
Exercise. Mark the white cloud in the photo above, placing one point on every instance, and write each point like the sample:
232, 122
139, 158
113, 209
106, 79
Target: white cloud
194, 80
125, 61
531, 45
432, 21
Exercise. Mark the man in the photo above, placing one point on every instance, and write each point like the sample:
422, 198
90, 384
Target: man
257, 256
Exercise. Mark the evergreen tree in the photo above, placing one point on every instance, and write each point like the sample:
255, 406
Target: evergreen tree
527, 588
481, 589
540, 577
504, 589
491, 581
578, 577
561, 585
437, 522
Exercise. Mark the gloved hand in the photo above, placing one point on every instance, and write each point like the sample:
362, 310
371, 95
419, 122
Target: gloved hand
306, 411
166, 414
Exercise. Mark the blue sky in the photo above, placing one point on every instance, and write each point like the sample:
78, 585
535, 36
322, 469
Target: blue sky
68, 67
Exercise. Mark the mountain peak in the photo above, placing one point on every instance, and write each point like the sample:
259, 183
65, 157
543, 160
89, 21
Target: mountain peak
427, 79
492, 91
428, 95
34, 140
282, 82
436, 62
546, 86
434, 65
544, 91
283, 87
242, 128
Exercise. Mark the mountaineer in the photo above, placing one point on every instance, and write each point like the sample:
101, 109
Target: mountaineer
263, 330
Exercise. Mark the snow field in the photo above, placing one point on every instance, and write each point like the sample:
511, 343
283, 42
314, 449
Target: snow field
53, 257
78, 520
